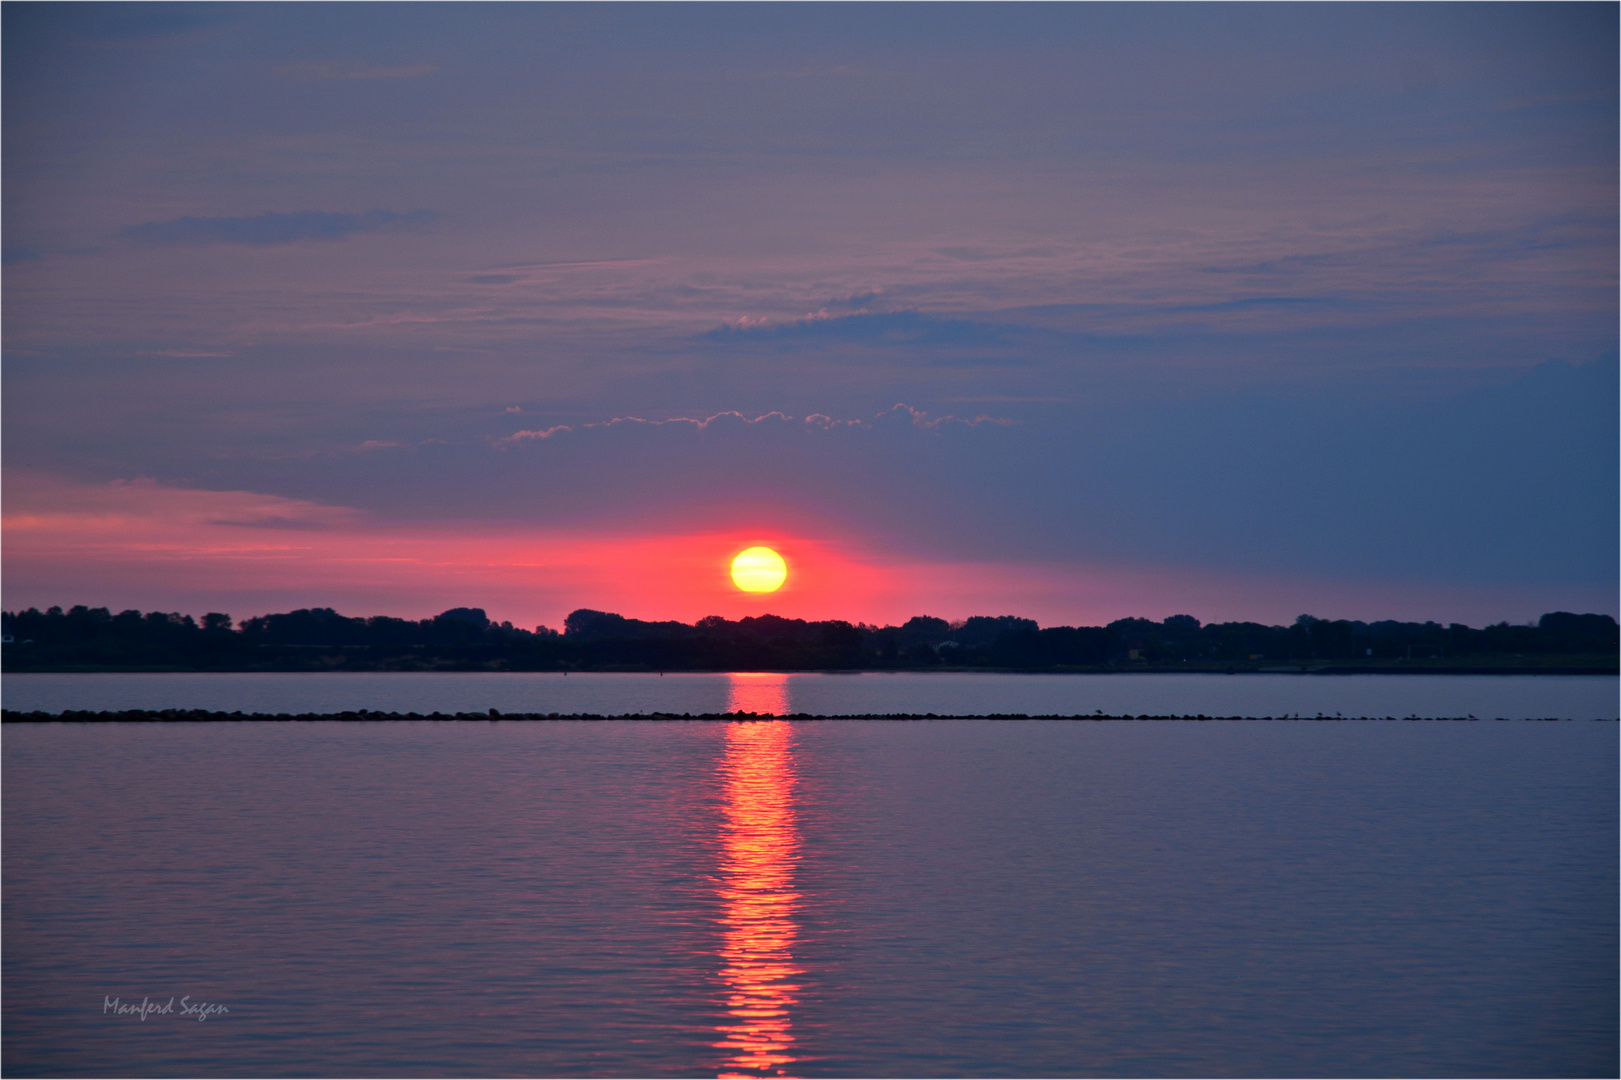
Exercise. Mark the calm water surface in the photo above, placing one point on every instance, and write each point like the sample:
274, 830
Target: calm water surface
1514, 697
946, 898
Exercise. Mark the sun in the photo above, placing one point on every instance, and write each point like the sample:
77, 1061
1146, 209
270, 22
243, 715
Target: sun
759, 569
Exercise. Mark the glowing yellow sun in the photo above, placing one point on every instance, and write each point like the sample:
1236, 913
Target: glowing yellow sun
759, 569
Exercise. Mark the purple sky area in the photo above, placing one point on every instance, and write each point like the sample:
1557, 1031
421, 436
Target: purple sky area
1240, 310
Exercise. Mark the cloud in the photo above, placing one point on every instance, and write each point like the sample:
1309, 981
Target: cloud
272, 522
1261, 302
271, 228
816, 421
857, 302
41, 501
729, 416
886, 328
919, 418
347, 69
527, 436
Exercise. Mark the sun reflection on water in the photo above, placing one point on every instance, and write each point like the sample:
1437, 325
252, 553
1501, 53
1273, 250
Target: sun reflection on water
758, 692
759, 850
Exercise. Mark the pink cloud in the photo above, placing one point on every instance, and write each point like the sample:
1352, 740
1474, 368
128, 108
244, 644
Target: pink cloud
544, 433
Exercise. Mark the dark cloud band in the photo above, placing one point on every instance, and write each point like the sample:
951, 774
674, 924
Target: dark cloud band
271, 228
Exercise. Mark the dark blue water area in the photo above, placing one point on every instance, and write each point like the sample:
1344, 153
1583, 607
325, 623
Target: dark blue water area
813, 898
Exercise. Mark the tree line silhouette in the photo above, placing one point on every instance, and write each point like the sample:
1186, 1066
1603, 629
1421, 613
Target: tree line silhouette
313, 639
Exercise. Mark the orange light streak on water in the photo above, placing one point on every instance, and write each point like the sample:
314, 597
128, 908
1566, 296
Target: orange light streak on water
759, 850
763, 693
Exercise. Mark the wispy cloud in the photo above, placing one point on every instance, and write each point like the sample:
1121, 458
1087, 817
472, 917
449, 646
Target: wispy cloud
38, 500
348, 69
531, 436
816, 421
886, 328
271, 228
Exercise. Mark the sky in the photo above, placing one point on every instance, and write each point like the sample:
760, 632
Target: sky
1068, 311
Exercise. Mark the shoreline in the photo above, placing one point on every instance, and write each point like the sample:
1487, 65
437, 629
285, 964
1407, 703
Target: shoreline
194, 716
1304, 668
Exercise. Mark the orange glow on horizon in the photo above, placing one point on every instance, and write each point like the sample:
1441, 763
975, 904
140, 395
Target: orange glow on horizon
146, 545
150, 546
759, 851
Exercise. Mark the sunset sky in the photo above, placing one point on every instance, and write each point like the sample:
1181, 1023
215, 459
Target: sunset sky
1066, 311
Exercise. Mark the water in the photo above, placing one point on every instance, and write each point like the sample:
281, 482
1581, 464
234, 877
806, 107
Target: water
949, 898
1514, 697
